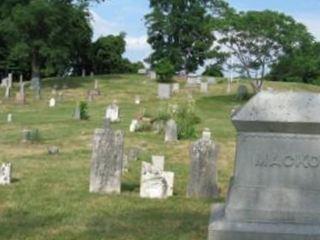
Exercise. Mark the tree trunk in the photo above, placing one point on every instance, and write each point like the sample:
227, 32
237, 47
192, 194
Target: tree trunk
35, 79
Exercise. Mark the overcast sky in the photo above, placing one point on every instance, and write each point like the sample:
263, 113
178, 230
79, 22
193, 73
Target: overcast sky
117, 16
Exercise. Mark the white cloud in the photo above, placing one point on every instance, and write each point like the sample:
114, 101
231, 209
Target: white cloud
102, 27
137, 43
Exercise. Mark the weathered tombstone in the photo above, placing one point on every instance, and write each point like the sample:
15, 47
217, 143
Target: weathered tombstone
26, 135
83, 72
142, 71
153, 75
10, 78
155, 183
20, 96
193, 80
203, 168
204, 87
137, 100
164, 90
92, 74
171, 131
9, 118
53, 150
90, 96
52, 102
175, 87
4, 82
275, 192
158, 162
5, 174
77, 112
106, 162
7, 92
134, 125
112, 112
242, 93
211, 80
21, 80
60, 96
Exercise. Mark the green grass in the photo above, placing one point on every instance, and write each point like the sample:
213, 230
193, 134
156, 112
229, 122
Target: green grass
49, 198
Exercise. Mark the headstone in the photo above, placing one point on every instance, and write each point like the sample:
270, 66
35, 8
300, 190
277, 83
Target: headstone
53, 150
175, 87
77, 113
96, 84
155, 183
211, 80
203, 168
193, 80
10, 79
5, 174
137, 100
7, 92
158, 162
83, 72
134, 125
21, 80
9, 118
142, 71
106, 163
112, 112
204, 87
92, 74
90, 96
53, 92
4, 82
171, 131
275, 191
206, 134
153, 75
164, 90
60, 96
242, 93
20, 96
26, 135
52, 102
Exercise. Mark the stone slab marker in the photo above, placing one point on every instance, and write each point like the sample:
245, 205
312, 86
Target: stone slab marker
275, 192
106, 162
112, 112
204, 87
5, 174
158, 162
164, 90
203, 168
171, 131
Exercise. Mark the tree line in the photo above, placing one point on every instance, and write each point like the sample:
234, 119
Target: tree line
50, 37
186, 34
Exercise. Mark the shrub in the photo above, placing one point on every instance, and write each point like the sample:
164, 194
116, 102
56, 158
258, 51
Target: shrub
165, 71
186, 120
84, 111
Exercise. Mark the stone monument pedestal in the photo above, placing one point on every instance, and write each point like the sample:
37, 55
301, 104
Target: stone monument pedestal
275, 192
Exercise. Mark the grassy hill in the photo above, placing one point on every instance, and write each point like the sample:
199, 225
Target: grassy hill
50, 199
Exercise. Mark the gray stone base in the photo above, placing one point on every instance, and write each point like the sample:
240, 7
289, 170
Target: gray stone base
222, 229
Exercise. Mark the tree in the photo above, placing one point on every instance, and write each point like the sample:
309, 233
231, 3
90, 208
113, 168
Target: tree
180, 31
213, 70
258, 39
107, 54
299, 65
47, 33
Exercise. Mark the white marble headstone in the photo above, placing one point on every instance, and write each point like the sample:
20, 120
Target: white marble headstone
112, 112
5, 174
52, 102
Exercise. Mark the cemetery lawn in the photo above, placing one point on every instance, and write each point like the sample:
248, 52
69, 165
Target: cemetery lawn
49, 197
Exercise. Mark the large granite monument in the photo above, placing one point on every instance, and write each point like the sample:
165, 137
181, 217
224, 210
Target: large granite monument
275, 192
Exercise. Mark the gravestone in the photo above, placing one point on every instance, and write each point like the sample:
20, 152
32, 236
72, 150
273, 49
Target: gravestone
106, 162
155, 183
83, 72
204, 87
142, 71
9, 118
203, 168
53, 150
4, 82
211, 80
112, 112
91, 74
5, 174
134, 125
26, 135
242, 93
175, 87
171, 131
158, 162
275, 191
52, 102
137, 100
7, 92
77, 112
153, 75
10, 78
20, 80
193, 80
164, 90
20, 96
60, 96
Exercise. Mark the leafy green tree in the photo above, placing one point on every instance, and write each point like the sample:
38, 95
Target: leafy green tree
107, 53
257, 39
298, 65
181, 31
213, 70
165, 70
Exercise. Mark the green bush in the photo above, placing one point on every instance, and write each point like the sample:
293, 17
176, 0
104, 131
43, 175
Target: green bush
165, 71
84, 111
186, 121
